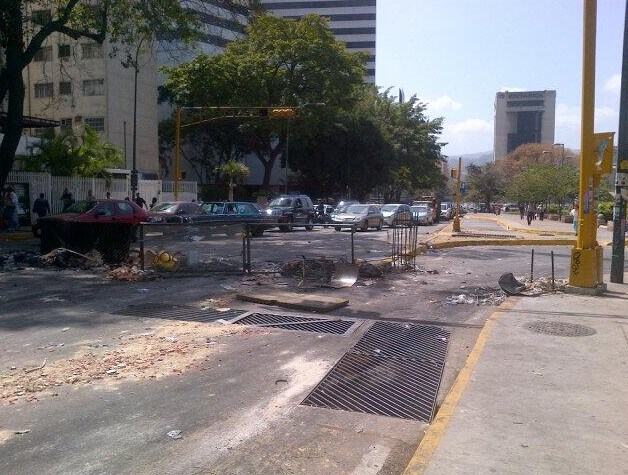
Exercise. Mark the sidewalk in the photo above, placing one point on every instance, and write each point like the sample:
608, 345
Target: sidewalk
543, 391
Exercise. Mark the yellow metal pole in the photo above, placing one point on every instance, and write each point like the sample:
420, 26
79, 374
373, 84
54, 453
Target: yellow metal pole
177, 153
586, 256
456, 225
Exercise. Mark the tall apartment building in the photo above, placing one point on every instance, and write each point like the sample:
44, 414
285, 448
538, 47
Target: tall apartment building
77, 83
523, 117
352, 21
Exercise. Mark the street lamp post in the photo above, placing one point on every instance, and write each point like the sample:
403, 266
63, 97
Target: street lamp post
562, 152
134, 173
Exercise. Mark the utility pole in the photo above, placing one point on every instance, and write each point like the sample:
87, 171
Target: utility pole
621, 171
587, 254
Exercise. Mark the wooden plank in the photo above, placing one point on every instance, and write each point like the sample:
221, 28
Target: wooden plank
310, 302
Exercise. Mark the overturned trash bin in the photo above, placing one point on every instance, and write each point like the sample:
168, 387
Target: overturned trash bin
510, 285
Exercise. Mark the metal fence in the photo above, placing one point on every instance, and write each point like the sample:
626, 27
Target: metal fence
28, 186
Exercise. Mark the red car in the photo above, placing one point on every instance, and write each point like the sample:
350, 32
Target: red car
105, 225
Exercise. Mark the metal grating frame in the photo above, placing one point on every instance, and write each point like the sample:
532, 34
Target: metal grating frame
334, 326
178, 312
394, 370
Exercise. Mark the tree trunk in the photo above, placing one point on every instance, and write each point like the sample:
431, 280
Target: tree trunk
14, 84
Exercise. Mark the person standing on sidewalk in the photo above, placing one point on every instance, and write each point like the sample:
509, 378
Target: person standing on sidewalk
574, 214
10, 202
41, 207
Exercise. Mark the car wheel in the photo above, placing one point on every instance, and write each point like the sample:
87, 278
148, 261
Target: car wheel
36, 228
338, 228
257, 232
309, 225
380, 225
286, 228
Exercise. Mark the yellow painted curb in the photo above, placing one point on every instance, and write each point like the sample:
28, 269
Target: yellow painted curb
434, 434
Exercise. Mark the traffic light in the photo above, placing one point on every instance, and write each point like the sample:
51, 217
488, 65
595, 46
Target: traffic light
283, 113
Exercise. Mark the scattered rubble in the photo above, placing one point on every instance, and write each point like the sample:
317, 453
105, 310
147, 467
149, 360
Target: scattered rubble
482, 297
131, 273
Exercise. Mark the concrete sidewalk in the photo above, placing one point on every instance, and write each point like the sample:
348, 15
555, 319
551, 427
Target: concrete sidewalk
543, 391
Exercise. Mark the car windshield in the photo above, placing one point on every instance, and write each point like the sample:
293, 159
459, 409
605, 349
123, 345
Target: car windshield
419, 209
285, 201
389, 207
165, 208
356, 209
81, 207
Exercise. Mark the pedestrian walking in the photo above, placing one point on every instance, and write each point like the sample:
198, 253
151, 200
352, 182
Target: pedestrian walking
139, 201
529, 213
41, 207
66, 199
10, 202
574, 214
522, 210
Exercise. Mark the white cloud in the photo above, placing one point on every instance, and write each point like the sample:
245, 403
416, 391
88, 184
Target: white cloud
512, 89
467, 136
613, 84
443, 102
567, 116
602, 113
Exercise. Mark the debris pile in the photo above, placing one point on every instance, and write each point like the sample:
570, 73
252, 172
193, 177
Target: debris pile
18, 260
491, 297
131, 273
173, 348
63, 257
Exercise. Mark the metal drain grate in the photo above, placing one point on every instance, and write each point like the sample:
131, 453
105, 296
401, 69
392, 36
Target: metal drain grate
178, 312
394, 370
289, 322
560, 329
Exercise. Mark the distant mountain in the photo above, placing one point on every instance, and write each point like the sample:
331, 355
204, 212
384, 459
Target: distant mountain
479, 158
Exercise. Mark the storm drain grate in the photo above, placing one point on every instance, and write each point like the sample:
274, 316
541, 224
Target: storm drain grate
560, 329
289, 322
394, 370
178, 312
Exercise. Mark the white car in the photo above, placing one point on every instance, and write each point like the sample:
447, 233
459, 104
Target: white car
359, 216
422, 214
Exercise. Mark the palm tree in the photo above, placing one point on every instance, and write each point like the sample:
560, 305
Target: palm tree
235, 172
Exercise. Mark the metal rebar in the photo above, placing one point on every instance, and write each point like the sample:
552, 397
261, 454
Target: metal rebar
352, 245
553, 286
532, 267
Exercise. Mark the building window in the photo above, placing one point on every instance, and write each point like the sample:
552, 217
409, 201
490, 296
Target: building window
44, 89
93, 87
66, 124
41, 17
91, 50
43, 54
65, 88
64, 51
96, 123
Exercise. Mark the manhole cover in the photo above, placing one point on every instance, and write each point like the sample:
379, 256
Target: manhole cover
560, 329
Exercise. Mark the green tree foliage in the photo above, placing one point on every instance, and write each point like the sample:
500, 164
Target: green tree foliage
544, 183
24, 29
69, 154
234, 173
484, 183
281, 62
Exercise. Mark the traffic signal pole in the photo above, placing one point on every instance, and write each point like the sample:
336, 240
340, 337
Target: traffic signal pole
456, 224
586, 256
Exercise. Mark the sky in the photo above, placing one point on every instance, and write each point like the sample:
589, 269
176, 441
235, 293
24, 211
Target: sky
455, 55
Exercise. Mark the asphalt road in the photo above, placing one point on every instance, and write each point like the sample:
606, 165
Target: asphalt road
235, 395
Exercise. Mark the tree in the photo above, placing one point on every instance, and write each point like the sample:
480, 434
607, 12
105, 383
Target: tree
25, 25
281, 62
234, 172
69, 154
484, 183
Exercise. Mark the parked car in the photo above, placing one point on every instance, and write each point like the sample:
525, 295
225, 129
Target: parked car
423, 214
396, 214
105, 225
361, 216
291, 211
234, 212
174, 212
446, 211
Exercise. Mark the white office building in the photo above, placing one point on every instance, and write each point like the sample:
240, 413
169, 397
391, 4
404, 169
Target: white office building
523, 117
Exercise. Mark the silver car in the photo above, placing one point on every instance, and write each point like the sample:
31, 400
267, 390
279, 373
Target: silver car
396, 214
359, 216
422, 214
